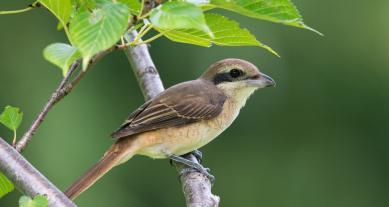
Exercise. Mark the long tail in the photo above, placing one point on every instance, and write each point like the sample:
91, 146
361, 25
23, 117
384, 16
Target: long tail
113, 157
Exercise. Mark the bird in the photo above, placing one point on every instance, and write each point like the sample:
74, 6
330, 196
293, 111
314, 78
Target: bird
181, 119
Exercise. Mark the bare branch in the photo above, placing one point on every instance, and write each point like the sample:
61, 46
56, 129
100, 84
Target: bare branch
144, 68
62, 90
196, 187
55, 97
69, 87
28, 179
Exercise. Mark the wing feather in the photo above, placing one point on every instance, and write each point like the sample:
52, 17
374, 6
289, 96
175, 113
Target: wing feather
181, 104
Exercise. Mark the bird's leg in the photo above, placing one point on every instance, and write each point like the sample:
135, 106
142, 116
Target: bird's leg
194, 167
197, 153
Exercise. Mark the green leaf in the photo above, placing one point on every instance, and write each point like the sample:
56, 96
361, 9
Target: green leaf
92, 32
62, 9
134, 6
6, 185
226, 33
279, 11
38, 201
179, 15
85, 3
61, 55
203, 4
11, 117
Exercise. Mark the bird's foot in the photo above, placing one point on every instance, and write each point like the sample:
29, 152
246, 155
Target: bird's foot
198, 154
193, 167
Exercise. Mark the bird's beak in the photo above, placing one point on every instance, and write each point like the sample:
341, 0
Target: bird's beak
261, 81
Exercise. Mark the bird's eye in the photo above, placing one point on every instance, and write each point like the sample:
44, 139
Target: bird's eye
236, 73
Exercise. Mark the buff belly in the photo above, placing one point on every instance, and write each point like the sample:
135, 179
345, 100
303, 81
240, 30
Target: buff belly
184, 139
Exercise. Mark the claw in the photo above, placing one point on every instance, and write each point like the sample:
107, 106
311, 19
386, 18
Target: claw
171, 162
198, 154
204, 171
192, 166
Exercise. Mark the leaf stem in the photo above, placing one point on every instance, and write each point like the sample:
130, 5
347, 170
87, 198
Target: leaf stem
142, 32
144, 15
30, 7
17, 11
142, 7
14, 139
151, 39
65, 28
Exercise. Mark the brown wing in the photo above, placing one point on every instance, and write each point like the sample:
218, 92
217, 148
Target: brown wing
181, 104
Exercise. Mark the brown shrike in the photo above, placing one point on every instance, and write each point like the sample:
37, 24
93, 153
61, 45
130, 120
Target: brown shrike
181, 119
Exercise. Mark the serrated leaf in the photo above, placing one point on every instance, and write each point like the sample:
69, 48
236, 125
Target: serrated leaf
61, 55
38, 201
134, 6
11, 117
62, 9
279, 11
6, 186
179, 15
92, 32
226, 33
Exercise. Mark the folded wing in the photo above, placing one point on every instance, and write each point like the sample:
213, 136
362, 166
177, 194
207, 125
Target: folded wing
181, 104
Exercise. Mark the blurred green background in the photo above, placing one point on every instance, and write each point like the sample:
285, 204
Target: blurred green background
319, 139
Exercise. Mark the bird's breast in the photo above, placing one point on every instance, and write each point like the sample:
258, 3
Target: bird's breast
184, 139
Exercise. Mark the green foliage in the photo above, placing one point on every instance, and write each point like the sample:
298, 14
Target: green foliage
92, 32
38, 201
226, 33
179, 15
11, 118
134, 6
96, 25
6, 186
279, 11
61, 55
62, 9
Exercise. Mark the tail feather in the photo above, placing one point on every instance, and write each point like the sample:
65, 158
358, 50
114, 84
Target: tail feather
112, 158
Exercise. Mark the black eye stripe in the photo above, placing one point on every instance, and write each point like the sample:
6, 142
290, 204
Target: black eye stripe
222, 77
229, 76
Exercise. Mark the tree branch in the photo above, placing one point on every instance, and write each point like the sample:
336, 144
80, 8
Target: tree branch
196, 187
145, 72
28, 179
55, 97
63, 89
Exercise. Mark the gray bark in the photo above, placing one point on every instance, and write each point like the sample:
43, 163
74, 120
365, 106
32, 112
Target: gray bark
28, 179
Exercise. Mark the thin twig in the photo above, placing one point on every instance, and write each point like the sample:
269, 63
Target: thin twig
196, 187
69, 87
63, 89
28, 179
22, 143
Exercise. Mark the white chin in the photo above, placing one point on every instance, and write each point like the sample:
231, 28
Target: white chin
238, 91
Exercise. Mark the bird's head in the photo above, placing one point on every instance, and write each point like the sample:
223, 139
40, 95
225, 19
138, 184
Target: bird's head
237, 78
